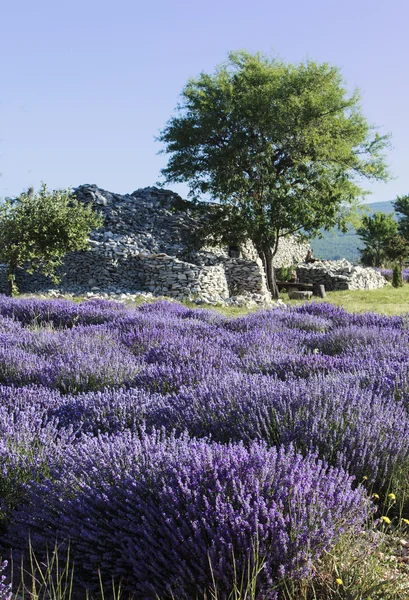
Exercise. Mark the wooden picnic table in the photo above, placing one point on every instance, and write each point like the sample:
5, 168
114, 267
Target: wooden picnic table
294, 285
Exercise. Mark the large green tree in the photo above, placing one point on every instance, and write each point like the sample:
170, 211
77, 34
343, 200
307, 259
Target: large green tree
283, 147
376, 232
37, 230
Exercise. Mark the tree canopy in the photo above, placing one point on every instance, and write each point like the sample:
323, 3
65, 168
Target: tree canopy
37, 230
401, 206
397, 249
283, 147
377, 231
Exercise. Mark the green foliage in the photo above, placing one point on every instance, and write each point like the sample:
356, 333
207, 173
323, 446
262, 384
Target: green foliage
397, 280
285, 273
335, 245
376, 231
401, 206
37, 230
280, 145
397, 249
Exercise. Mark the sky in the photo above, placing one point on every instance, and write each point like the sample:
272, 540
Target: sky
87, 85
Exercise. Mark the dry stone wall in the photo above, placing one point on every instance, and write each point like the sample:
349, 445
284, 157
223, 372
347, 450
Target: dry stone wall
290, 252
147, 244
340, 275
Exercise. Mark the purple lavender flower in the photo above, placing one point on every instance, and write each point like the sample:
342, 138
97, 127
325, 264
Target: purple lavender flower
5, 588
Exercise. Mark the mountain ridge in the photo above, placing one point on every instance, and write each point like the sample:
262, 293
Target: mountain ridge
335, 245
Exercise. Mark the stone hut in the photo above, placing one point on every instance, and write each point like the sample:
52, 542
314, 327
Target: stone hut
145, 244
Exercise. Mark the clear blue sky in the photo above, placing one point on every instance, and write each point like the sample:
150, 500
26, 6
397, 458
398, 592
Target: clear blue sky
86, 85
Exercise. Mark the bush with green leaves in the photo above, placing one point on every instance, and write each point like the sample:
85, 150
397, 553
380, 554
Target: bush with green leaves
38, 229
397, 280
376, 232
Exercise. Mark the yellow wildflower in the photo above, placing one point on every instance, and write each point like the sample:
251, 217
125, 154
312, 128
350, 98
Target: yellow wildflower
339, 581
392, 496
406, 521
376, 496
386, 519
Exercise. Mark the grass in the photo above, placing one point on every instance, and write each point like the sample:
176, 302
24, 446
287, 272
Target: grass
360, 567
387, 300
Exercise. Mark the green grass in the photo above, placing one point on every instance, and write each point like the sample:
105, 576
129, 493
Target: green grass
387, 300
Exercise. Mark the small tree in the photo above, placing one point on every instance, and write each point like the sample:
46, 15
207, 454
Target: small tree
281, 146
37, 230
376, 231
397, 280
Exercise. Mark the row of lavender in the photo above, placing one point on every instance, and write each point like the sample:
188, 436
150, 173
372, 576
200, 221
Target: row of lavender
171, 448
387, 273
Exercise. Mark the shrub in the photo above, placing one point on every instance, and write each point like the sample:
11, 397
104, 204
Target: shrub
397, 280
157, 512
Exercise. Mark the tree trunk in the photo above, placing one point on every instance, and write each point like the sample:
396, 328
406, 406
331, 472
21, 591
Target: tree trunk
377, 257
11, 280
267, 258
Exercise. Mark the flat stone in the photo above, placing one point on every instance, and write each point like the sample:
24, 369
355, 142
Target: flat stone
298, 295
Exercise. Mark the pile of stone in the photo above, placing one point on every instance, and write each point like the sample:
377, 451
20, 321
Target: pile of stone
340, 275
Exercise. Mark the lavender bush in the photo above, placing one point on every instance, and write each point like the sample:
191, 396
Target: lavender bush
60, 313
387, 273
29, 444
350, 425
156, 512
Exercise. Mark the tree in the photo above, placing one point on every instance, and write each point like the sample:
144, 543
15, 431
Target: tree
37, 230
401, 206
280, 145
397, 249
376, 232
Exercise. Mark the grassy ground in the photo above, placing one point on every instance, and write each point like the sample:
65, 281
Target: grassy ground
387, 300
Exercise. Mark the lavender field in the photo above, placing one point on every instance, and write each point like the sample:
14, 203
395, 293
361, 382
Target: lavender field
178, 451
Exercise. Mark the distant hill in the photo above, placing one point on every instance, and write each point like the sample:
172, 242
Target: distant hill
335, 245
